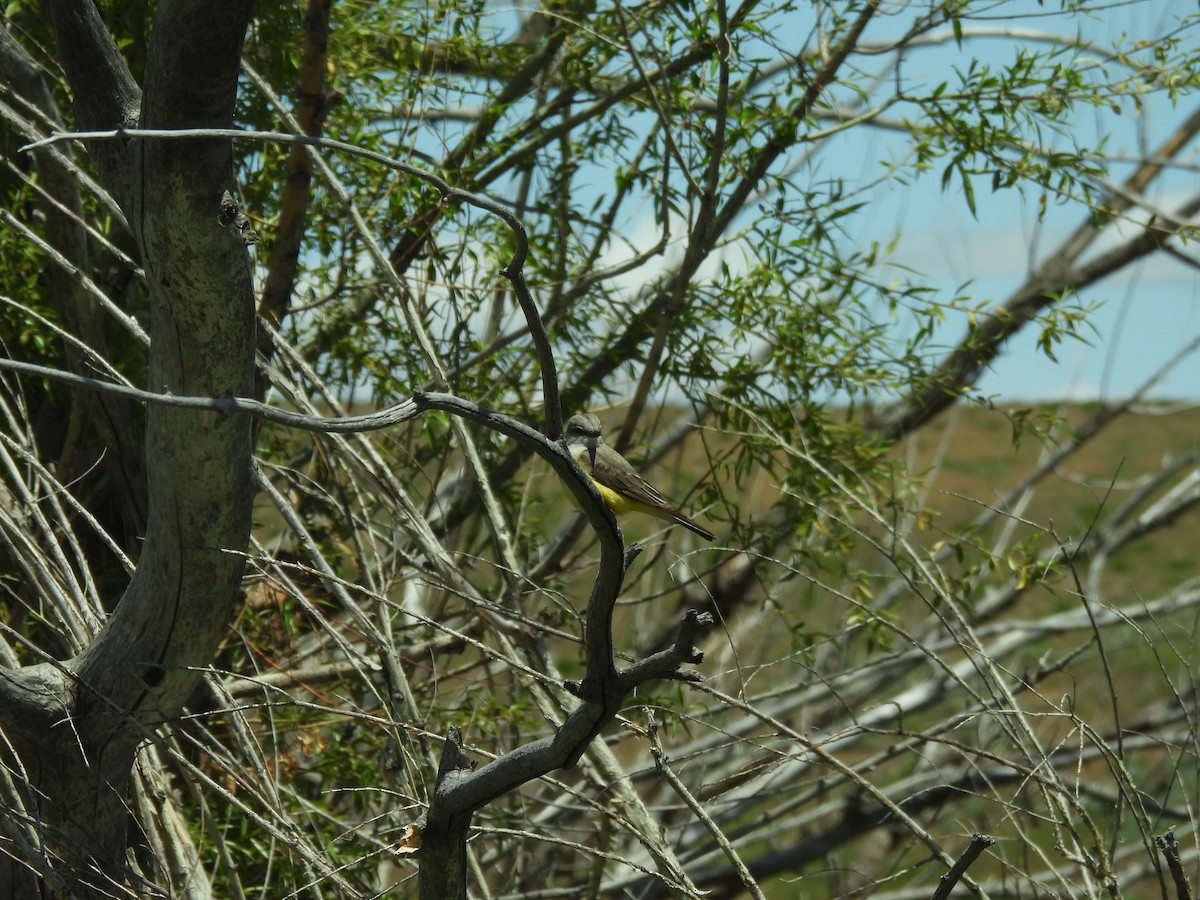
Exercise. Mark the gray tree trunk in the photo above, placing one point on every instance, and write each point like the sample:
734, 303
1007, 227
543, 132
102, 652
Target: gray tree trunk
71, 728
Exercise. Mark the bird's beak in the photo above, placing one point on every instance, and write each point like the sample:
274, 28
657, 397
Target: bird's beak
591, 450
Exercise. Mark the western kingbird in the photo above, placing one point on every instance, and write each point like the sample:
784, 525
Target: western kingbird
622, 488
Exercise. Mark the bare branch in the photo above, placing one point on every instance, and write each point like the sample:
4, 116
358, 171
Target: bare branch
1169, 848
979, 843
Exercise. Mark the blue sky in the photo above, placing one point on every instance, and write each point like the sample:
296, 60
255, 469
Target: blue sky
1144, 315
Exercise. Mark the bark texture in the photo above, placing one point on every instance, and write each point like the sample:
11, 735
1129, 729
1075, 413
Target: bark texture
72, 727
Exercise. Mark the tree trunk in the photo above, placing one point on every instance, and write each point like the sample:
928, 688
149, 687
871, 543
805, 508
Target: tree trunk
74, 728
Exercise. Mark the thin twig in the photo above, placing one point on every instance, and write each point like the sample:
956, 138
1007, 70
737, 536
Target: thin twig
660, 762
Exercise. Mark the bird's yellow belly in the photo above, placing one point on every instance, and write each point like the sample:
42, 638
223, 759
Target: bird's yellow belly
618, 503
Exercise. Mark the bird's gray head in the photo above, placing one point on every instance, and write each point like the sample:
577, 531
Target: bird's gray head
583, 430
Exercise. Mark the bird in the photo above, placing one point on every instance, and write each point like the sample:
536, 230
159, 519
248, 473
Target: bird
622, 488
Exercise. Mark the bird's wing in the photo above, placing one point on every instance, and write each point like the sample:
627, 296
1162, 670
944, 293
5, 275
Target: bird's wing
624, 480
